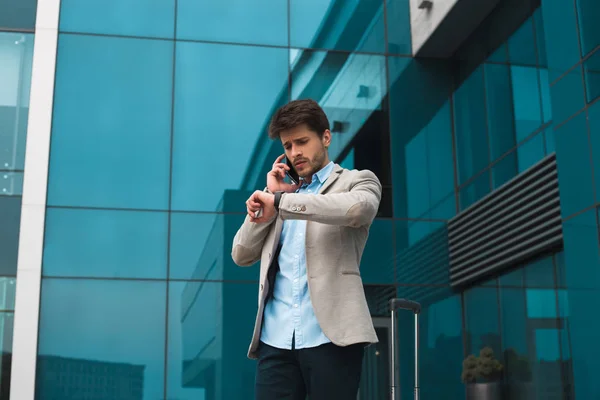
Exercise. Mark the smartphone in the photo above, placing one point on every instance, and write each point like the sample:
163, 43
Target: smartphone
292, 174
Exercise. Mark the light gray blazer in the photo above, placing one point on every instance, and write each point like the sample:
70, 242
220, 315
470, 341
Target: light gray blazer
338, 222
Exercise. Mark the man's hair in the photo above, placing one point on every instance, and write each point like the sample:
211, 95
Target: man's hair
296, 113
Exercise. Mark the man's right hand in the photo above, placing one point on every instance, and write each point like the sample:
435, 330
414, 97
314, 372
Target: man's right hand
275, 177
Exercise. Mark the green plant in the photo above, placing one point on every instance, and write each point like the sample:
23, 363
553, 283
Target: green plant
485, 368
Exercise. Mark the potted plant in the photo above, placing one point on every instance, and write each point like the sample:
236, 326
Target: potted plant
483, 376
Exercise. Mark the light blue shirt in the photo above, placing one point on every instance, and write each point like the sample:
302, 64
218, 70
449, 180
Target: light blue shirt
289, 313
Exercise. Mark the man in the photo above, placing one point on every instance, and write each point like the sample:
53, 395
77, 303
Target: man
313, 321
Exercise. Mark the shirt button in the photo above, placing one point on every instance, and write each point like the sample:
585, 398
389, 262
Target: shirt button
295, 305
295, 281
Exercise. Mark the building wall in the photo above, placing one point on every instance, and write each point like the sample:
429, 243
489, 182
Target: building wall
158, 135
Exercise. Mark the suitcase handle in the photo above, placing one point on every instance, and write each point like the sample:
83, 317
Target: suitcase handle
404, 304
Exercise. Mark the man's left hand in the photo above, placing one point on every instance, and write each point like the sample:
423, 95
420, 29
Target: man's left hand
267, 203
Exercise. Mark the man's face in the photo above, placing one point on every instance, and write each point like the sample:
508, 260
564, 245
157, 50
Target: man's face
306, 150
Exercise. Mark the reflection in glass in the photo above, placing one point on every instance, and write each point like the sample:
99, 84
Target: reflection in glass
105, 337
475, 190
218, 131
16, 58
111, 123
105, 243
210, 327
500, 109
10, 215
248, 21
8, 288
522, 45
200, 247
130, 18
338, 25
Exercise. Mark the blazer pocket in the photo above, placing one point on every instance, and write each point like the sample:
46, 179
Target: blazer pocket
348, 272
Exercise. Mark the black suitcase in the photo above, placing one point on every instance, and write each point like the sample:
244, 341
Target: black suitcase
395, 305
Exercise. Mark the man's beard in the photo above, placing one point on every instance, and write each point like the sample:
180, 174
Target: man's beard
316, 164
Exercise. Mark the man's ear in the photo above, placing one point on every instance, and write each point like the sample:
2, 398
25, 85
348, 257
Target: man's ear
327, 138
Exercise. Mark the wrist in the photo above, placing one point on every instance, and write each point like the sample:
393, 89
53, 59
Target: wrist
277, 199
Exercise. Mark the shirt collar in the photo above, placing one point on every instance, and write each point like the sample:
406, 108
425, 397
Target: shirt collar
324, 173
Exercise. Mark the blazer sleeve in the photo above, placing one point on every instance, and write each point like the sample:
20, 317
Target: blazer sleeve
248, 241
355, 208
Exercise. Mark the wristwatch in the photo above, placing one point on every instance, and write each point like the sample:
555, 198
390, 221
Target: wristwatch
277, 200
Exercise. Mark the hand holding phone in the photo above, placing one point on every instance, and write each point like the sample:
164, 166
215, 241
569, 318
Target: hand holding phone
276, 177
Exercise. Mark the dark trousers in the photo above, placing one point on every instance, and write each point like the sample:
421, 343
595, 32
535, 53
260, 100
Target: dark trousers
326, 372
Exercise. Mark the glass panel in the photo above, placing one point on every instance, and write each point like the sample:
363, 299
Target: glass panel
580, 300
16, 57
377, 264
531, 152
421, 137
545, 92
242, 21
481, 320
521, 45
201, 247
440, 344
540, 37
588, 11
472, 147
202, 356
594, 125
341, 25
567, 95
8, 287
112, 122
540, 273
220, 117
475, 190
18, 15
105, 243
504, 170
398, 27
114, 17
582, 264
422, 252
6, 337
562, 48
573, 158
526, 98
10, 215
499, 102
591, 69
101, 339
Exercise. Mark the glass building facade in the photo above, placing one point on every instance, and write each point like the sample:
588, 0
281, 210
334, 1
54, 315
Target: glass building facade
155, 121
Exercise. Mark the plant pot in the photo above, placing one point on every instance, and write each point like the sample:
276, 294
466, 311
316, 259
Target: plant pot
484, 391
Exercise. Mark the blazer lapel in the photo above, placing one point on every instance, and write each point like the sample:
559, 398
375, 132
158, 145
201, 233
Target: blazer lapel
332, 178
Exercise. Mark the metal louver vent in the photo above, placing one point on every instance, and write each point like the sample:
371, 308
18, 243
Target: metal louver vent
518, 221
